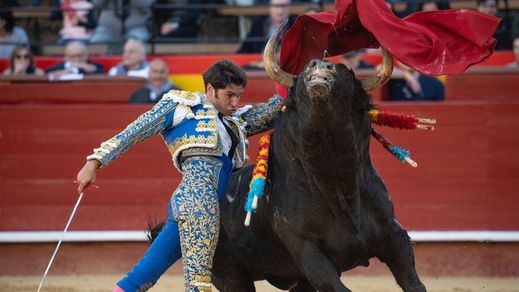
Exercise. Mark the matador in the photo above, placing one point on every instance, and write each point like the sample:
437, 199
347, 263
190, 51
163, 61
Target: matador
206, 135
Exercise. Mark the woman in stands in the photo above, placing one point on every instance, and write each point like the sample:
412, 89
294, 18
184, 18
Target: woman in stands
22, 63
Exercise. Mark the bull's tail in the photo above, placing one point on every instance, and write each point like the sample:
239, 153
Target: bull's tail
154, 229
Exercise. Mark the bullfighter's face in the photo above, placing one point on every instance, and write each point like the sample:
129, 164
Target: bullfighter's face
225, 99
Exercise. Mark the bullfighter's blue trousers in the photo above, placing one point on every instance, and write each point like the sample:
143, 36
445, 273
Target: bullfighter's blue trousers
191, 230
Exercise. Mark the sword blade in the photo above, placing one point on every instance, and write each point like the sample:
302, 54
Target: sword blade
59, 242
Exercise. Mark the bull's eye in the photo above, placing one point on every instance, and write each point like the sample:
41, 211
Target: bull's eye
313, 63
329, 66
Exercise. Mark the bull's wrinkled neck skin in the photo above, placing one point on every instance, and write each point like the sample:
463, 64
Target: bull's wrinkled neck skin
330, 120
331, 136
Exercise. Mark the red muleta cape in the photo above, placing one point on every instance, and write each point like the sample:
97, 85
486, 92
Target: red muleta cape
434, 42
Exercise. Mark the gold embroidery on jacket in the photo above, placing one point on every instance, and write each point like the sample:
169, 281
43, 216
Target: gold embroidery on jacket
186, 142
195, 208
210, 113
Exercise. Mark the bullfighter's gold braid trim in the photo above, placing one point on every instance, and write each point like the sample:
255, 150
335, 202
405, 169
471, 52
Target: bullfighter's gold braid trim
202, 283
260, 117
146, 125
206, 114
106, 148
183, 97
195, 207
208, 126
186, 142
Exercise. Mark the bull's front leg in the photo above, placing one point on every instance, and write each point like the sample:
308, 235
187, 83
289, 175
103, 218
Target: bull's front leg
399, 257
316, 267
303, 286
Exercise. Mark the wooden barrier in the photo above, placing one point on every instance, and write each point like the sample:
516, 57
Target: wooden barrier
190, 63
90, 89
494, 83
466, 178
105, 89
482, 82
476, 84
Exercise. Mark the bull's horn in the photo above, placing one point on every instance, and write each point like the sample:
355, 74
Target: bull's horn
383, 74
269, 58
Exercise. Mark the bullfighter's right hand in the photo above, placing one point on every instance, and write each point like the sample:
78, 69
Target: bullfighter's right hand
87, 174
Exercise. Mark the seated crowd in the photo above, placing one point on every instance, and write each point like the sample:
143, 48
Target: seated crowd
80, 27
114, 22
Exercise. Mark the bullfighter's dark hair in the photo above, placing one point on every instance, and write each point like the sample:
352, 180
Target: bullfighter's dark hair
223, 73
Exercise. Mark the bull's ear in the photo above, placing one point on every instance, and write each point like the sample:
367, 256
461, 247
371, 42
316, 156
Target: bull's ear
383, 74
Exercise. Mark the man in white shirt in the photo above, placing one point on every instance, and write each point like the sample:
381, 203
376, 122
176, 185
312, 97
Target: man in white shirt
76, 62
134, 61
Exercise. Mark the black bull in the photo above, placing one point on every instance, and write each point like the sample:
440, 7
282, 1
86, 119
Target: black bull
325, 210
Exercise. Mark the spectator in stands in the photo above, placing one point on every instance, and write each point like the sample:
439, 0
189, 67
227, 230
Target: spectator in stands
76, 61
10, 35
120, 20
354, 60
407, 84
263, 27
22, 63
425, 6
78, 20
313, 8
429, 6
158, 84
516, 53
134, 61
184, 23
502, 34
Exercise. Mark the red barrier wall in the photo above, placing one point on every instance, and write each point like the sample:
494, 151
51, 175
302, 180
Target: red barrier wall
186, 64
91, 89
113, 89
103, 89
483, 83
466, 177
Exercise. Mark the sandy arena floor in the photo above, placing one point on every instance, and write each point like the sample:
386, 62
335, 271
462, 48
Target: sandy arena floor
174, 283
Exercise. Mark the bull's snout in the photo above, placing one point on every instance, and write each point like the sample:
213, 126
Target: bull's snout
320, 65
320, 76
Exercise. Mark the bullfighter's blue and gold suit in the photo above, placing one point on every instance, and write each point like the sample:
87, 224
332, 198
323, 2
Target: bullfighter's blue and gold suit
189, 124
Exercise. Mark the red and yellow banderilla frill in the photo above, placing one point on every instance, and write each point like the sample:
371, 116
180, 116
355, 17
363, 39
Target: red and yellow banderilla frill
259, 177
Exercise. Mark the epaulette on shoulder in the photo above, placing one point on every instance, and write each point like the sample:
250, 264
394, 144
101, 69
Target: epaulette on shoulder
183, 97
